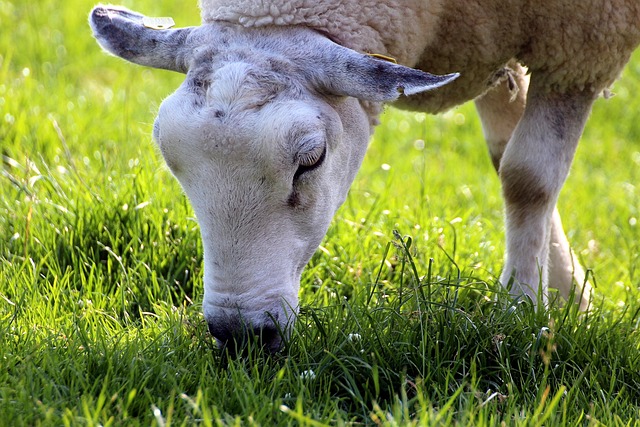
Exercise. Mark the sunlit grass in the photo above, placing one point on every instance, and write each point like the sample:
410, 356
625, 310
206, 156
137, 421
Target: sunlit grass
402, 320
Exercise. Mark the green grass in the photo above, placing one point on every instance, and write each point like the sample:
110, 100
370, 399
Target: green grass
100, 267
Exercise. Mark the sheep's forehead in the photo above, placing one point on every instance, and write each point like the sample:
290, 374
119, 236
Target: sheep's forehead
241, 78
240, 108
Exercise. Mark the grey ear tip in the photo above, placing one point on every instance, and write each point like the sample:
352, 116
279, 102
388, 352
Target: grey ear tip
453, 76
100, 11
432, 82
446, 79
99, 14
104, 12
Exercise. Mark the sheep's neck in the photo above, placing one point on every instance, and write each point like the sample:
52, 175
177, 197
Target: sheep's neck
363, 25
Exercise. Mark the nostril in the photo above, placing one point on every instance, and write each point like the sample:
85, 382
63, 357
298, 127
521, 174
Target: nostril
269, 338
236, 339
226, 340
220, 332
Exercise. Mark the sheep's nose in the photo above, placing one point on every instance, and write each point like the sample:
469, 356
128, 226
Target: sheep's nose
237, 339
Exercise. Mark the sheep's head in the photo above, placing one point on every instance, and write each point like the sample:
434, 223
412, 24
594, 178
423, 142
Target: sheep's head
265, 136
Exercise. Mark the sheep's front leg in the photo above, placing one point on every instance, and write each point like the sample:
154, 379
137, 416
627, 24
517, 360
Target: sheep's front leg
500, 110
533, 169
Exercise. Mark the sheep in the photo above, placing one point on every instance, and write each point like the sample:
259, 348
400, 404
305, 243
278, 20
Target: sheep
280, 99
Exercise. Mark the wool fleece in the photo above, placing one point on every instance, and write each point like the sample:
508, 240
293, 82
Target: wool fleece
571, 45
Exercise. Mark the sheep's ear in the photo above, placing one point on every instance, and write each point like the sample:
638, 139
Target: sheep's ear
367, 77
127, 34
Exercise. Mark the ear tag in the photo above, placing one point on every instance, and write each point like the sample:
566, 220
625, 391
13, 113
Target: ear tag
383, 57
158, 23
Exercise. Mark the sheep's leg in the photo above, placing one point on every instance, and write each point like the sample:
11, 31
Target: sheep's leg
564, 266
533, 169
500, 110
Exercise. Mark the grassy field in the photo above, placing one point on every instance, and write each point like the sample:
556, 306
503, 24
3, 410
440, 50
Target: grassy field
401, 319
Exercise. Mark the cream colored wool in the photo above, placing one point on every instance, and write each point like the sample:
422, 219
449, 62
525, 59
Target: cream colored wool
568, 44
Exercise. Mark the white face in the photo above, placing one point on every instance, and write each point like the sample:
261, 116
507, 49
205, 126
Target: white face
265, 135
265, 172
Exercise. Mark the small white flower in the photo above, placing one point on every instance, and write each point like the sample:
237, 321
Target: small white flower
354, 337
308, 375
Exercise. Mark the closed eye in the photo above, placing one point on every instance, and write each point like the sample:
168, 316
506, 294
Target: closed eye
309, 162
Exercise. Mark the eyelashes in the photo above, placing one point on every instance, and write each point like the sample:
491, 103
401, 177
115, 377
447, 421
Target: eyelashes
310, 161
